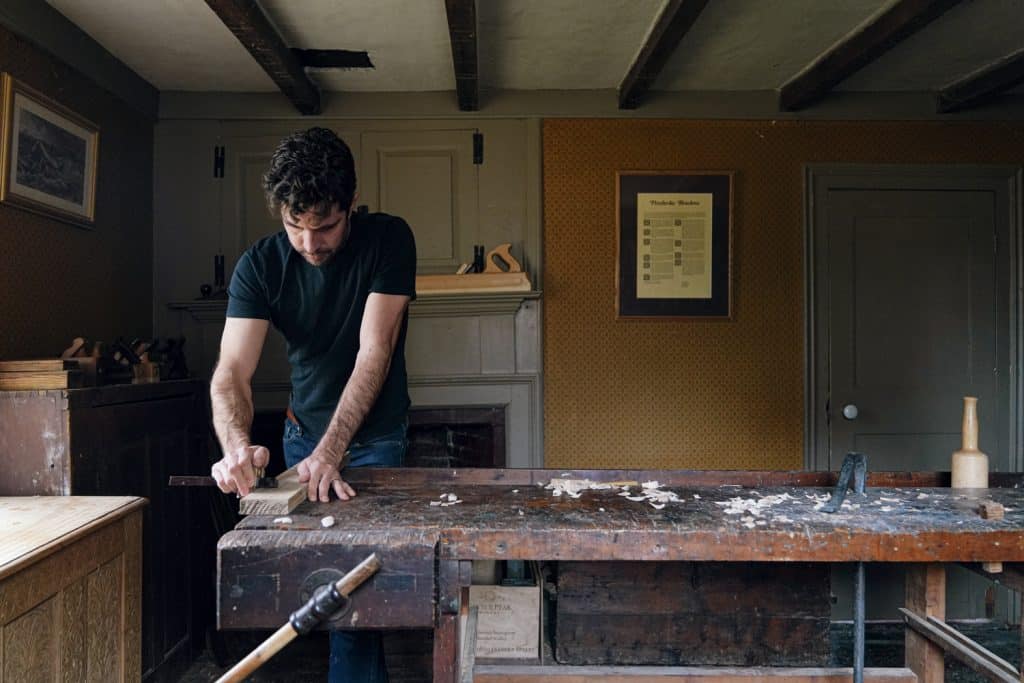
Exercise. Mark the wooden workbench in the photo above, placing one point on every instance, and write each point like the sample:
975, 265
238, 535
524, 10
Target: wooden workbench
508, 514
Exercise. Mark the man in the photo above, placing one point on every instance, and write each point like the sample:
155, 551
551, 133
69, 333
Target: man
337, 284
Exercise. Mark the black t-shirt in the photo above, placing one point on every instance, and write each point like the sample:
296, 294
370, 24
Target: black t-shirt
319, 310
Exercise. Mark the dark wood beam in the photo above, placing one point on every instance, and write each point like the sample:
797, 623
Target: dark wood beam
863, 45
333, 59
672, 24
982, 85
462, 31
246, 20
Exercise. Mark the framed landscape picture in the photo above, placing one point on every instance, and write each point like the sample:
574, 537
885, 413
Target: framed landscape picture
49, 156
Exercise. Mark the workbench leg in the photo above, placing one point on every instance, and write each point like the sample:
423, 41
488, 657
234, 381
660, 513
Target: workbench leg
446, 649
453, 576
926, 596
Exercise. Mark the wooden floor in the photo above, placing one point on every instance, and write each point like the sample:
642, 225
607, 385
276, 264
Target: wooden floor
306, 661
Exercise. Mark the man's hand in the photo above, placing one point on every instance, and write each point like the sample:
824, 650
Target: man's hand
235, 472
320, 473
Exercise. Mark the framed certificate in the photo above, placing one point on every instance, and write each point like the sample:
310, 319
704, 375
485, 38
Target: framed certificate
674, 244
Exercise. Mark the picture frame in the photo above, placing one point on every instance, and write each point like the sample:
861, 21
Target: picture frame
673, 244
48, 155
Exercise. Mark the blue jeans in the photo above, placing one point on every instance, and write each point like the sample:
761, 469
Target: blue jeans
356, 656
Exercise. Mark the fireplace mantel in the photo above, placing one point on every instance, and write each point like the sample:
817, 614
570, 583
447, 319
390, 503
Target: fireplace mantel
480, 349
427, 305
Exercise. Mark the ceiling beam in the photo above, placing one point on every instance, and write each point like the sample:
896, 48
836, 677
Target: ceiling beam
246, 20
982, 85
333, 59
672, 24
866, 43
462, 32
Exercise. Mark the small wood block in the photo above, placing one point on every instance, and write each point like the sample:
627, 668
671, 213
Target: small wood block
992, 567
33, 381
36, 365
991, 510
280, 501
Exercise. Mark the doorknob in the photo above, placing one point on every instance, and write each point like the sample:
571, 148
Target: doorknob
850, 411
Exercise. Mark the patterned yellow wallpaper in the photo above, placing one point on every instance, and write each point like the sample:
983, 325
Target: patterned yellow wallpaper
699, 394
58, 281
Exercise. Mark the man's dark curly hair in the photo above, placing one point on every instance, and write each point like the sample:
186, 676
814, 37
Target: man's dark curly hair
310, 171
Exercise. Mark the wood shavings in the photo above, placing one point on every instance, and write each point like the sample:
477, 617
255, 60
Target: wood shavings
600, 509
327, 521
521, 513
282, 520
657, 506
651, 484
922, 496
696, 496
754, 507
574, 488
515, 490
447, 499
887, 508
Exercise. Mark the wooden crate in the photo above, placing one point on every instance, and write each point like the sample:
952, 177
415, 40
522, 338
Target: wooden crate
693, 614
70, 588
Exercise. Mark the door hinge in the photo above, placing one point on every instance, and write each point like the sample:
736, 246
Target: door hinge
218, 161
478, 148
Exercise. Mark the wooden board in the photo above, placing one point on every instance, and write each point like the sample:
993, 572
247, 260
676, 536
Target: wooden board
31, 381
472, 283
37, 365
647, 674
280, 501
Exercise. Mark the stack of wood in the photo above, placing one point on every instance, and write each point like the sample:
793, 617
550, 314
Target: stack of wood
56, 373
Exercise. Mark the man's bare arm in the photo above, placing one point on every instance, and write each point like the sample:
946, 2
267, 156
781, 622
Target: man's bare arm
378, 335
231, 401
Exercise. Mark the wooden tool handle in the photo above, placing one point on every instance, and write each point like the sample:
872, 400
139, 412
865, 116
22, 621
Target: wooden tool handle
286, 634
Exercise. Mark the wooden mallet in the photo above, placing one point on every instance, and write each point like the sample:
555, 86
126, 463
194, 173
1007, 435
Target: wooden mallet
325, 601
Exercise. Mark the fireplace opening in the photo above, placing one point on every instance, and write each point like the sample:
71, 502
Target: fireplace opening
456, 437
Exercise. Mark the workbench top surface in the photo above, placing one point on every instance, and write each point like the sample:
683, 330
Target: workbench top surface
508, 514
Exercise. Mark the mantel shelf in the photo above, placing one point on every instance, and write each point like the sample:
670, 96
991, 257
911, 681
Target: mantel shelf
427, 305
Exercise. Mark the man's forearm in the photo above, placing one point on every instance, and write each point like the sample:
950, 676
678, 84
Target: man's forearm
231, 401
361, 392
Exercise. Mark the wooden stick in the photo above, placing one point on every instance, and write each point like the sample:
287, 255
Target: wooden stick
468, 663
286, 634
963, 648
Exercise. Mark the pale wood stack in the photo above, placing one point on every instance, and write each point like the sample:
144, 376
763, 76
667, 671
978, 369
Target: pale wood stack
32, 375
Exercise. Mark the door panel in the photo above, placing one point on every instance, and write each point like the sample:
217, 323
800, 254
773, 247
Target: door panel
915, 325
428, 178
912, 309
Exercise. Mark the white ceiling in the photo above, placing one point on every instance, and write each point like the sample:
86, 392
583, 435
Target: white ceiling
734, 45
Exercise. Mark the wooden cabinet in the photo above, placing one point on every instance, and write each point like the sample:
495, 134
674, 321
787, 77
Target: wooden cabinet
70, 576
127, 440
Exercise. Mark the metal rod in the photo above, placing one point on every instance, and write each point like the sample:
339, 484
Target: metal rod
858, 624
